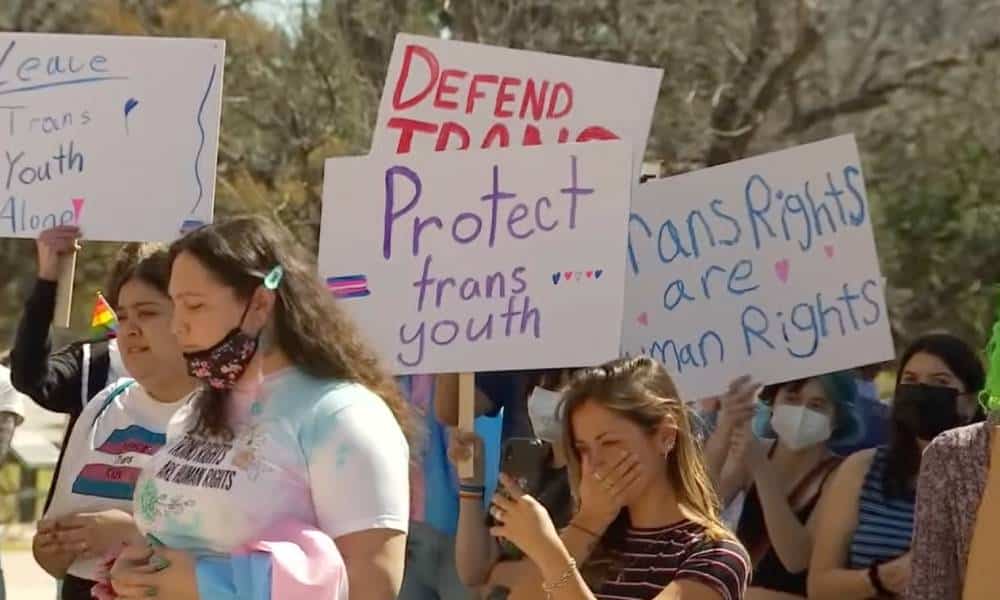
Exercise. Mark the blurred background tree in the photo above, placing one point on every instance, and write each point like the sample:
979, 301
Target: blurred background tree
914, 80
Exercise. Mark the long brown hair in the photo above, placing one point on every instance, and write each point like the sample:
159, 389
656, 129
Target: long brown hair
310, 327
903, 453
640, 390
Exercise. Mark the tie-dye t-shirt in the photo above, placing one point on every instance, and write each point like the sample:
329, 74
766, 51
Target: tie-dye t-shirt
322, 452
114, 438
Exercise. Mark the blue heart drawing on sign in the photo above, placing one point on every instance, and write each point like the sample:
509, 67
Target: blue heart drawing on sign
555, 278
190, 225
130, 104
598, 273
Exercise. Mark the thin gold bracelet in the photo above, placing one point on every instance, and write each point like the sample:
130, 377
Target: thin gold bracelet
548, 588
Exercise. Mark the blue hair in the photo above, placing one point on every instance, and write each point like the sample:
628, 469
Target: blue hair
841, 389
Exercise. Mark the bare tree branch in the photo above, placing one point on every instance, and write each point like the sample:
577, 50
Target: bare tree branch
463, 15
874, 96
864, 50
732, 143
728, 115
322, 72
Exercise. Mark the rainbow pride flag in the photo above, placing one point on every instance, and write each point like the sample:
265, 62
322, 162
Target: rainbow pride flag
103, 320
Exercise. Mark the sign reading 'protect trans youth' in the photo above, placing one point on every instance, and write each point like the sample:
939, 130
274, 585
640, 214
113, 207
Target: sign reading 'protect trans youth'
482, 260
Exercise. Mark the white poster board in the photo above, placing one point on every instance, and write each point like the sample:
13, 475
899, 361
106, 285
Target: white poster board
116, 134
446, 95
481, 261
765, 266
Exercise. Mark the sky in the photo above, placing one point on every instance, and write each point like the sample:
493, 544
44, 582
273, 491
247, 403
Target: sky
280, 12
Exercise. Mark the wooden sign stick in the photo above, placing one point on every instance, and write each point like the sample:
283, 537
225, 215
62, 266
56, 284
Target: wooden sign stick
64, 289
466, 417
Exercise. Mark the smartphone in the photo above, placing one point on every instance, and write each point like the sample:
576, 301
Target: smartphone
525, 461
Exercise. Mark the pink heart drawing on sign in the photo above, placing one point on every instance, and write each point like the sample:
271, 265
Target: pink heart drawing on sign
781, 270
590, 274
829, 250
77, 209
643, 319
568, 275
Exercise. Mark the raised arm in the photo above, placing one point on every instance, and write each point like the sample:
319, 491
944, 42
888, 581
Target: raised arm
476, 552
736, 408
52, 379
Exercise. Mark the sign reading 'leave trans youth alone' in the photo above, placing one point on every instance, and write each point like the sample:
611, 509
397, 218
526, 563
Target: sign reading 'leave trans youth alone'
483, 260
116, 134
446, 95
766, 266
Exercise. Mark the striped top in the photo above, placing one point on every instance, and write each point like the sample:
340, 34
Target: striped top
654, 558
885, 525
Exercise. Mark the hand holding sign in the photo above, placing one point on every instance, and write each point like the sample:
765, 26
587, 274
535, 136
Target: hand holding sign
53, 245
736, 406
466, 447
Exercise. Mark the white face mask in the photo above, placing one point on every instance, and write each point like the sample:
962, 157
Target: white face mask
799, 427
542, 405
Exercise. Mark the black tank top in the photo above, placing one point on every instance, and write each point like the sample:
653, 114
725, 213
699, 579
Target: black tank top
768, 572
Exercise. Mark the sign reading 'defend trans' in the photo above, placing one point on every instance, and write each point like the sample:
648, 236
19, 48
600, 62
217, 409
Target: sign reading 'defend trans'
766, 266
446, 95
480, 261
116, 134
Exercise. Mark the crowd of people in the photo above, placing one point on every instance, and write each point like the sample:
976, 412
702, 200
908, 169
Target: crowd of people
238, 438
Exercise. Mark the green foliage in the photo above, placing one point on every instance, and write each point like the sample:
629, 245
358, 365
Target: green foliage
915, 81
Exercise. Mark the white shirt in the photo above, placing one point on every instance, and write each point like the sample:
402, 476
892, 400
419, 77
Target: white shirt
116, 366
113, 439
324, 453
11, 400
116, 369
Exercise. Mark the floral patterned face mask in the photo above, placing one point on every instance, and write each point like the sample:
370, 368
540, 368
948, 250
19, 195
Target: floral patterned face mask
222, 365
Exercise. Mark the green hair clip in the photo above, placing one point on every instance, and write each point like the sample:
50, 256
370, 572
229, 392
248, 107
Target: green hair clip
990, 396
273, 279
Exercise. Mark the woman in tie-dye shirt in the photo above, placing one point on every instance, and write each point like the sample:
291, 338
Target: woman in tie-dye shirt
297, 422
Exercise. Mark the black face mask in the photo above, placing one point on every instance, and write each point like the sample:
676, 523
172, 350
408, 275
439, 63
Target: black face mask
222, 365
926, 410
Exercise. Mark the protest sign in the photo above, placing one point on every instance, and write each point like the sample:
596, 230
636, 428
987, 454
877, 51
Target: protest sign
116, 134
446, 95
481, 261
765, 266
